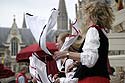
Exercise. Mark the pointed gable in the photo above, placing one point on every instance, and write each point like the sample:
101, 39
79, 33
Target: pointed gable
14, 28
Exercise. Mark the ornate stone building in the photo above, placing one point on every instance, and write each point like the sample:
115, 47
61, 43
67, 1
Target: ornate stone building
12, 40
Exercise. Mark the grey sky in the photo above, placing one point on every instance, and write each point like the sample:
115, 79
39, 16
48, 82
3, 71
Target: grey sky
8, 8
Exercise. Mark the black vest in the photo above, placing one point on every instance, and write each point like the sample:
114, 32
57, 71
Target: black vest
100, 68
62, 74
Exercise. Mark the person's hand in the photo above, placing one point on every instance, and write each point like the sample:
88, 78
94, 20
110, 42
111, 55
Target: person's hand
58, 55
70, 68
34, 80
29, 77
73, 65
55, 76
57, 80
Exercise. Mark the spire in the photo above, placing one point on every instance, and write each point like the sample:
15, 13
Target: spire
76, 11
14, 25
14, 29
24, 22
14, 20
62, 20
62, 6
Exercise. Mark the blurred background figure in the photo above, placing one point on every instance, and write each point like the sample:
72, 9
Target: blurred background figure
122, 76
21, 76
113, 77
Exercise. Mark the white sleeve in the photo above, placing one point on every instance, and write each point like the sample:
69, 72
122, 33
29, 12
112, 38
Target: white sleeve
68, 80
67, 63
21, 79
89, 56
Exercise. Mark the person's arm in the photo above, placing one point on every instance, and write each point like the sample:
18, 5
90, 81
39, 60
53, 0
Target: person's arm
21, 79
72, 55
89, 56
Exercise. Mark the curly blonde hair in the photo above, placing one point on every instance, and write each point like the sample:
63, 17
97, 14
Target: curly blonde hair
99, 12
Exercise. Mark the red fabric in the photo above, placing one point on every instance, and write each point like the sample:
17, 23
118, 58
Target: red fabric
1, 66
25, 53
5, 72
96, 26
21, 74
52, 67
95, 79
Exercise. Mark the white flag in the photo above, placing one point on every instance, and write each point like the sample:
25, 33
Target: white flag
71, 38
36, 25
51, 23
40, 30
38, 69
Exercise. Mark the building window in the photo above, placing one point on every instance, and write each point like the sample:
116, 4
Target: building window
116, 52
14, 46
122, 52
1, 54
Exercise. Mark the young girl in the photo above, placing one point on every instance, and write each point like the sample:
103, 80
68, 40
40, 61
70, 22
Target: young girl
60, 77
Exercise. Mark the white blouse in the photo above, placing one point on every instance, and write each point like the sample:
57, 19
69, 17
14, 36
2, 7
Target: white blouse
90, 55
69, 75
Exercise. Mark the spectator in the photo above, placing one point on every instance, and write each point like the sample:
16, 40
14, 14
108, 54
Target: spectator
21, 77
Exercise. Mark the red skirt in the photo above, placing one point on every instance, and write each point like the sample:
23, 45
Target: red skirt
95, 79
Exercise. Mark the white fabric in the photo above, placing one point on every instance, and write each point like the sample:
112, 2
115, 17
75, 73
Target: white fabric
70, 39
67, 63
68, 80
51, 23
89, 56
36, 26
40, 69
33, 71
69, 76
68, 42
